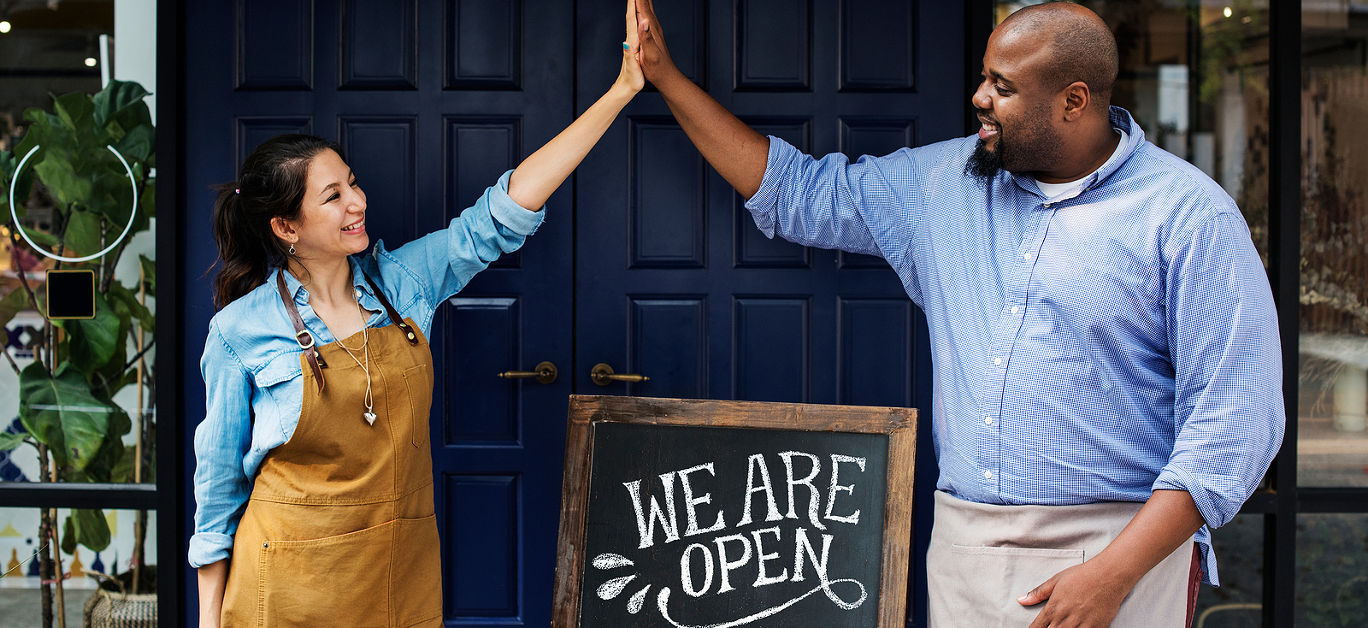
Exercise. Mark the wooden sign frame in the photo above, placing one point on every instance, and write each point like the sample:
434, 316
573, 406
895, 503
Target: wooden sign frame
899, 424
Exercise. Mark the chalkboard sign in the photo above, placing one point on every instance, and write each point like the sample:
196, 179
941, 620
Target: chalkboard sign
713, 514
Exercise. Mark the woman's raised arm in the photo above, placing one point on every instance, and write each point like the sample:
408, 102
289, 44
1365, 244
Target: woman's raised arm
544, 170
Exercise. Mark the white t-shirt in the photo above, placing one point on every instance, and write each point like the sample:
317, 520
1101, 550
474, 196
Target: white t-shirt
1054, 191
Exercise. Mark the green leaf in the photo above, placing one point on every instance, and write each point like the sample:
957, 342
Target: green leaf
60, 412
138, 143
13, 303
149, 268
75, 110
69, 536
83, 232
94, 341
9, 440
91, 527
117, 97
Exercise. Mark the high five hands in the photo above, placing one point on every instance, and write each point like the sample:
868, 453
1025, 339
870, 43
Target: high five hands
653, 56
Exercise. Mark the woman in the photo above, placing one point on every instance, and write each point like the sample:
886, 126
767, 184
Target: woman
314, 478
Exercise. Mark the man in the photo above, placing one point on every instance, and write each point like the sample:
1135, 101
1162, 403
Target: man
1107, 369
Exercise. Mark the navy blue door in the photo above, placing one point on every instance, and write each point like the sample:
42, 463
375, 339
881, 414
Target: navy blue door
647, 260
672, 279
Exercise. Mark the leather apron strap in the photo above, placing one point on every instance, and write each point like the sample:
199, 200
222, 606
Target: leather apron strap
302, 335
393, 314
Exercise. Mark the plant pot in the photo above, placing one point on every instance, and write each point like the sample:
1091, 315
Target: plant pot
110, 609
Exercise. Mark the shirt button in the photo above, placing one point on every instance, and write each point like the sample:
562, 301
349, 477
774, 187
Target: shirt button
1026, 256
997, 361
1015, 309
987, 420
987, 475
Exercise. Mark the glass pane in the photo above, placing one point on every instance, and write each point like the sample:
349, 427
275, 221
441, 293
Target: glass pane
76, 389
21, 593
1332, 570
1195, 77
1237, 602
1332, 445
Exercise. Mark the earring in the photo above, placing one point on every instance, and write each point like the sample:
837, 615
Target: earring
292, 249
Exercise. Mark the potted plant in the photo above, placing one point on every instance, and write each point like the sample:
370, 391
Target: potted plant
67, 406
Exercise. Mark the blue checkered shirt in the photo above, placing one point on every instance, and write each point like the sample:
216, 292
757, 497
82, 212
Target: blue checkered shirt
1116, 340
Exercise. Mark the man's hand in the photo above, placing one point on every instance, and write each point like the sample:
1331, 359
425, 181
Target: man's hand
653, 55
1082, 596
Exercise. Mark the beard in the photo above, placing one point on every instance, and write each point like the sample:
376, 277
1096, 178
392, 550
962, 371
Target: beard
984, 164
1035, 147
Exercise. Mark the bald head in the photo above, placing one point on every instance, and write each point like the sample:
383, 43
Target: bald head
1082, 47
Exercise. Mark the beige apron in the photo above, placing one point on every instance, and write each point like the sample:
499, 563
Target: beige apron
340, 529
983, 556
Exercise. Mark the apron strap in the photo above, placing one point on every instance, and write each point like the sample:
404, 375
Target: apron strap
393, 313
302, 335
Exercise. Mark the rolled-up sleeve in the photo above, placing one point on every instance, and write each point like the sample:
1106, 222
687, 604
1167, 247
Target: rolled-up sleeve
1223, 335
444, 261
221, 441
829, 202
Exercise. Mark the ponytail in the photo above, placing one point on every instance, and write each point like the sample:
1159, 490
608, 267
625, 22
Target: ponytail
272, 184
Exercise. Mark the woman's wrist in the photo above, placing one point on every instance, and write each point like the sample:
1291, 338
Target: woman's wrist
620, 93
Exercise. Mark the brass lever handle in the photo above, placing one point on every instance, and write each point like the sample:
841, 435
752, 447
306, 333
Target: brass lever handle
603, 375
545, 374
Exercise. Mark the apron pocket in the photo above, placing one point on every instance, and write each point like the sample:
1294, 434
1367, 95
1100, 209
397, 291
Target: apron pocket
992, 578
333, 581
418, 383
416, 574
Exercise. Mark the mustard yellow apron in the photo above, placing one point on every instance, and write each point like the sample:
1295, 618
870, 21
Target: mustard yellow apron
340, 529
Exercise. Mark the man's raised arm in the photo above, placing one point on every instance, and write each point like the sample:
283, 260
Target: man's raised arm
734, 149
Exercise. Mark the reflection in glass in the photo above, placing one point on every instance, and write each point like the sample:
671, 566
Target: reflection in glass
1238, 601
1333, 443
1332, 571
85, 567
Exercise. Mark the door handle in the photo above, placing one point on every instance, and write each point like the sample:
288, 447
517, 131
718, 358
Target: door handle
545, 374
603, 375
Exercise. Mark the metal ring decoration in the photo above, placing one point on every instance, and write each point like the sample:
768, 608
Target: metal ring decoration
132, 214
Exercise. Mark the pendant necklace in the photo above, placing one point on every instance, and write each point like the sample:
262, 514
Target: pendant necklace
369, 414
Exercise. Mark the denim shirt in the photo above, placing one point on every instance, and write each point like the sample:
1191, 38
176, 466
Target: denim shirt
251, 365
1098, 346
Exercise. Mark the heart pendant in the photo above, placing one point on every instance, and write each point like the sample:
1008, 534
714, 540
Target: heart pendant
370, 417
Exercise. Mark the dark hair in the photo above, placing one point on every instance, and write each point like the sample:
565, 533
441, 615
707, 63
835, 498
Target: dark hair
271, 184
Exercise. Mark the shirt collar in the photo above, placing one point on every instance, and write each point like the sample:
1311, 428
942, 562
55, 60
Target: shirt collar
1135, 137
301, 294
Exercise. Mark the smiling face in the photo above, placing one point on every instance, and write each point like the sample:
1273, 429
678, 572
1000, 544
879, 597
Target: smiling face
332, 217
1016, 108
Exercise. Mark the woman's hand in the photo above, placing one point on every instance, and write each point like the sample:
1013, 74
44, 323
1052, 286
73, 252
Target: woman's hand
543, 171
630, 80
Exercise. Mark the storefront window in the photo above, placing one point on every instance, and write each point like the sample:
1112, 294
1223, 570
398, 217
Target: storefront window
77, 293
1332, 446
1332, 578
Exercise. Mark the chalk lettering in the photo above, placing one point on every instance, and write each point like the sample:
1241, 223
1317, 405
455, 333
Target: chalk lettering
814, 496
803, 547
726, 566
690, 501
756, 462
836, 460
760, 558
645, 524
686, 570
